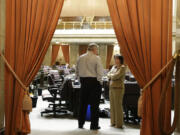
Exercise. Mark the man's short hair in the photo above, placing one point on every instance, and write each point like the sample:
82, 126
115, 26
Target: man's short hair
91, 46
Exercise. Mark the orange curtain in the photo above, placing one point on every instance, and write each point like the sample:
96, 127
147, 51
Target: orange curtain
82, 49
65, 50
144, 31
110, 49
55, 50
30, 25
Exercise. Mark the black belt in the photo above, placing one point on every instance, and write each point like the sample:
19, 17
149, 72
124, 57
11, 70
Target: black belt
88, 78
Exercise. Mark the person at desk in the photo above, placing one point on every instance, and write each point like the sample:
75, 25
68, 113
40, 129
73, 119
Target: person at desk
90, 71
55, 66
117, 77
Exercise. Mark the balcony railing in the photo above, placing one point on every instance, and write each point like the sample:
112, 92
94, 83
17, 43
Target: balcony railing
84, 25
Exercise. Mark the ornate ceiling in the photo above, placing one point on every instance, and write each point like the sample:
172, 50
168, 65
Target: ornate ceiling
85, 8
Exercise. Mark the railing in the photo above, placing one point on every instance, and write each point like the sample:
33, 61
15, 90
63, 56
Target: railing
85, 25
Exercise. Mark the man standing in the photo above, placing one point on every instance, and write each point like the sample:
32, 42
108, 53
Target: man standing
90, 71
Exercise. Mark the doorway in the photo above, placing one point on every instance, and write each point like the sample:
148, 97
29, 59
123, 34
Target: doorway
78, 31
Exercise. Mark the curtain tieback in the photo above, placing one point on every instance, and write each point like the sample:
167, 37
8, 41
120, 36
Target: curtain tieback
160, 72
170, 64
27, 101
140, 100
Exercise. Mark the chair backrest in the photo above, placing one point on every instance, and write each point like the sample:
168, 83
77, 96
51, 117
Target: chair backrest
42, 79
65, 90
131, 95
50, 80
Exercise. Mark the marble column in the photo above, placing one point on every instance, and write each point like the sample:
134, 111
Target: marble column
103, 54
74, 53
178, 14
2, 44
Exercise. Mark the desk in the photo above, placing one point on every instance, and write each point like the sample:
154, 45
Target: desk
105, 87
76, 100
71, 96
130, 101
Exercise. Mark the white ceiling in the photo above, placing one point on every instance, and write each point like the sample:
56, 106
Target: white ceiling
85, 8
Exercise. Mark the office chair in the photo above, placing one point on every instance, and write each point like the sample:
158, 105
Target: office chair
53, 95
130, 102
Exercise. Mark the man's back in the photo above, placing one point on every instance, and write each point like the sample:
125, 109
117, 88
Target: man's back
89, 65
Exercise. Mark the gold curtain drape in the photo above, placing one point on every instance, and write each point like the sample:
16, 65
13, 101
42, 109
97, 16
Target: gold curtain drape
110, 49
55, 50
30, 25
65, 50
82, 49
144, 32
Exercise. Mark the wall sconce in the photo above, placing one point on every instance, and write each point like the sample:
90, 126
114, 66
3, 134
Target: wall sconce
57, 42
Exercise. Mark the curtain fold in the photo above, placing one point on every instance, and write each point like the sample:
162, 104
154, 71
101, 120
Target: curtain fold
144, 32
65, 50
82, 49
55, 51
110, 49
30, 25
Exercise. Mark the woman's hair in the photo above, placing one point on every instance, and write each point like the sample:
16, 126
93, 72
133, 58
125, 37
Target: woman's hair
121, 58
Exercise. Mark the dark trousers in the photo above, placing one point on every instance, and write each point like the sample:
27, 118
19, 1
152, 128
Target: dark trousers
90, 93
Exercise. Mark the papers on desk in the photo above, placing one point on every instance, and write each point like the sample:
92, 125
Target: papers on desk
66, 71
129, 82
70, 76
55, 73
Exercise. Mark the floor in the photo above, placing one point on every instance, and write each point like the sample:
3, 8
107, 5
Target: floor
65, 125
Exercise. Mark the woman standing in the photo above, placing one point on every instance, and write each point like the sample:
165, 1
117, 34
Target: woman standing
117, 76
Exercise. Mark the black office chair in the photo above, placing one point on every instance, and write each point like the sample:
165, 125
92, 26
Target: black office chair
53, 95
130, 102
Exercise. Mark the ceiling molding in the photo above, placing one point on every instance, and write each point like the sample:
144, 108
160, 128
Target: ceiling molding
85, 40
